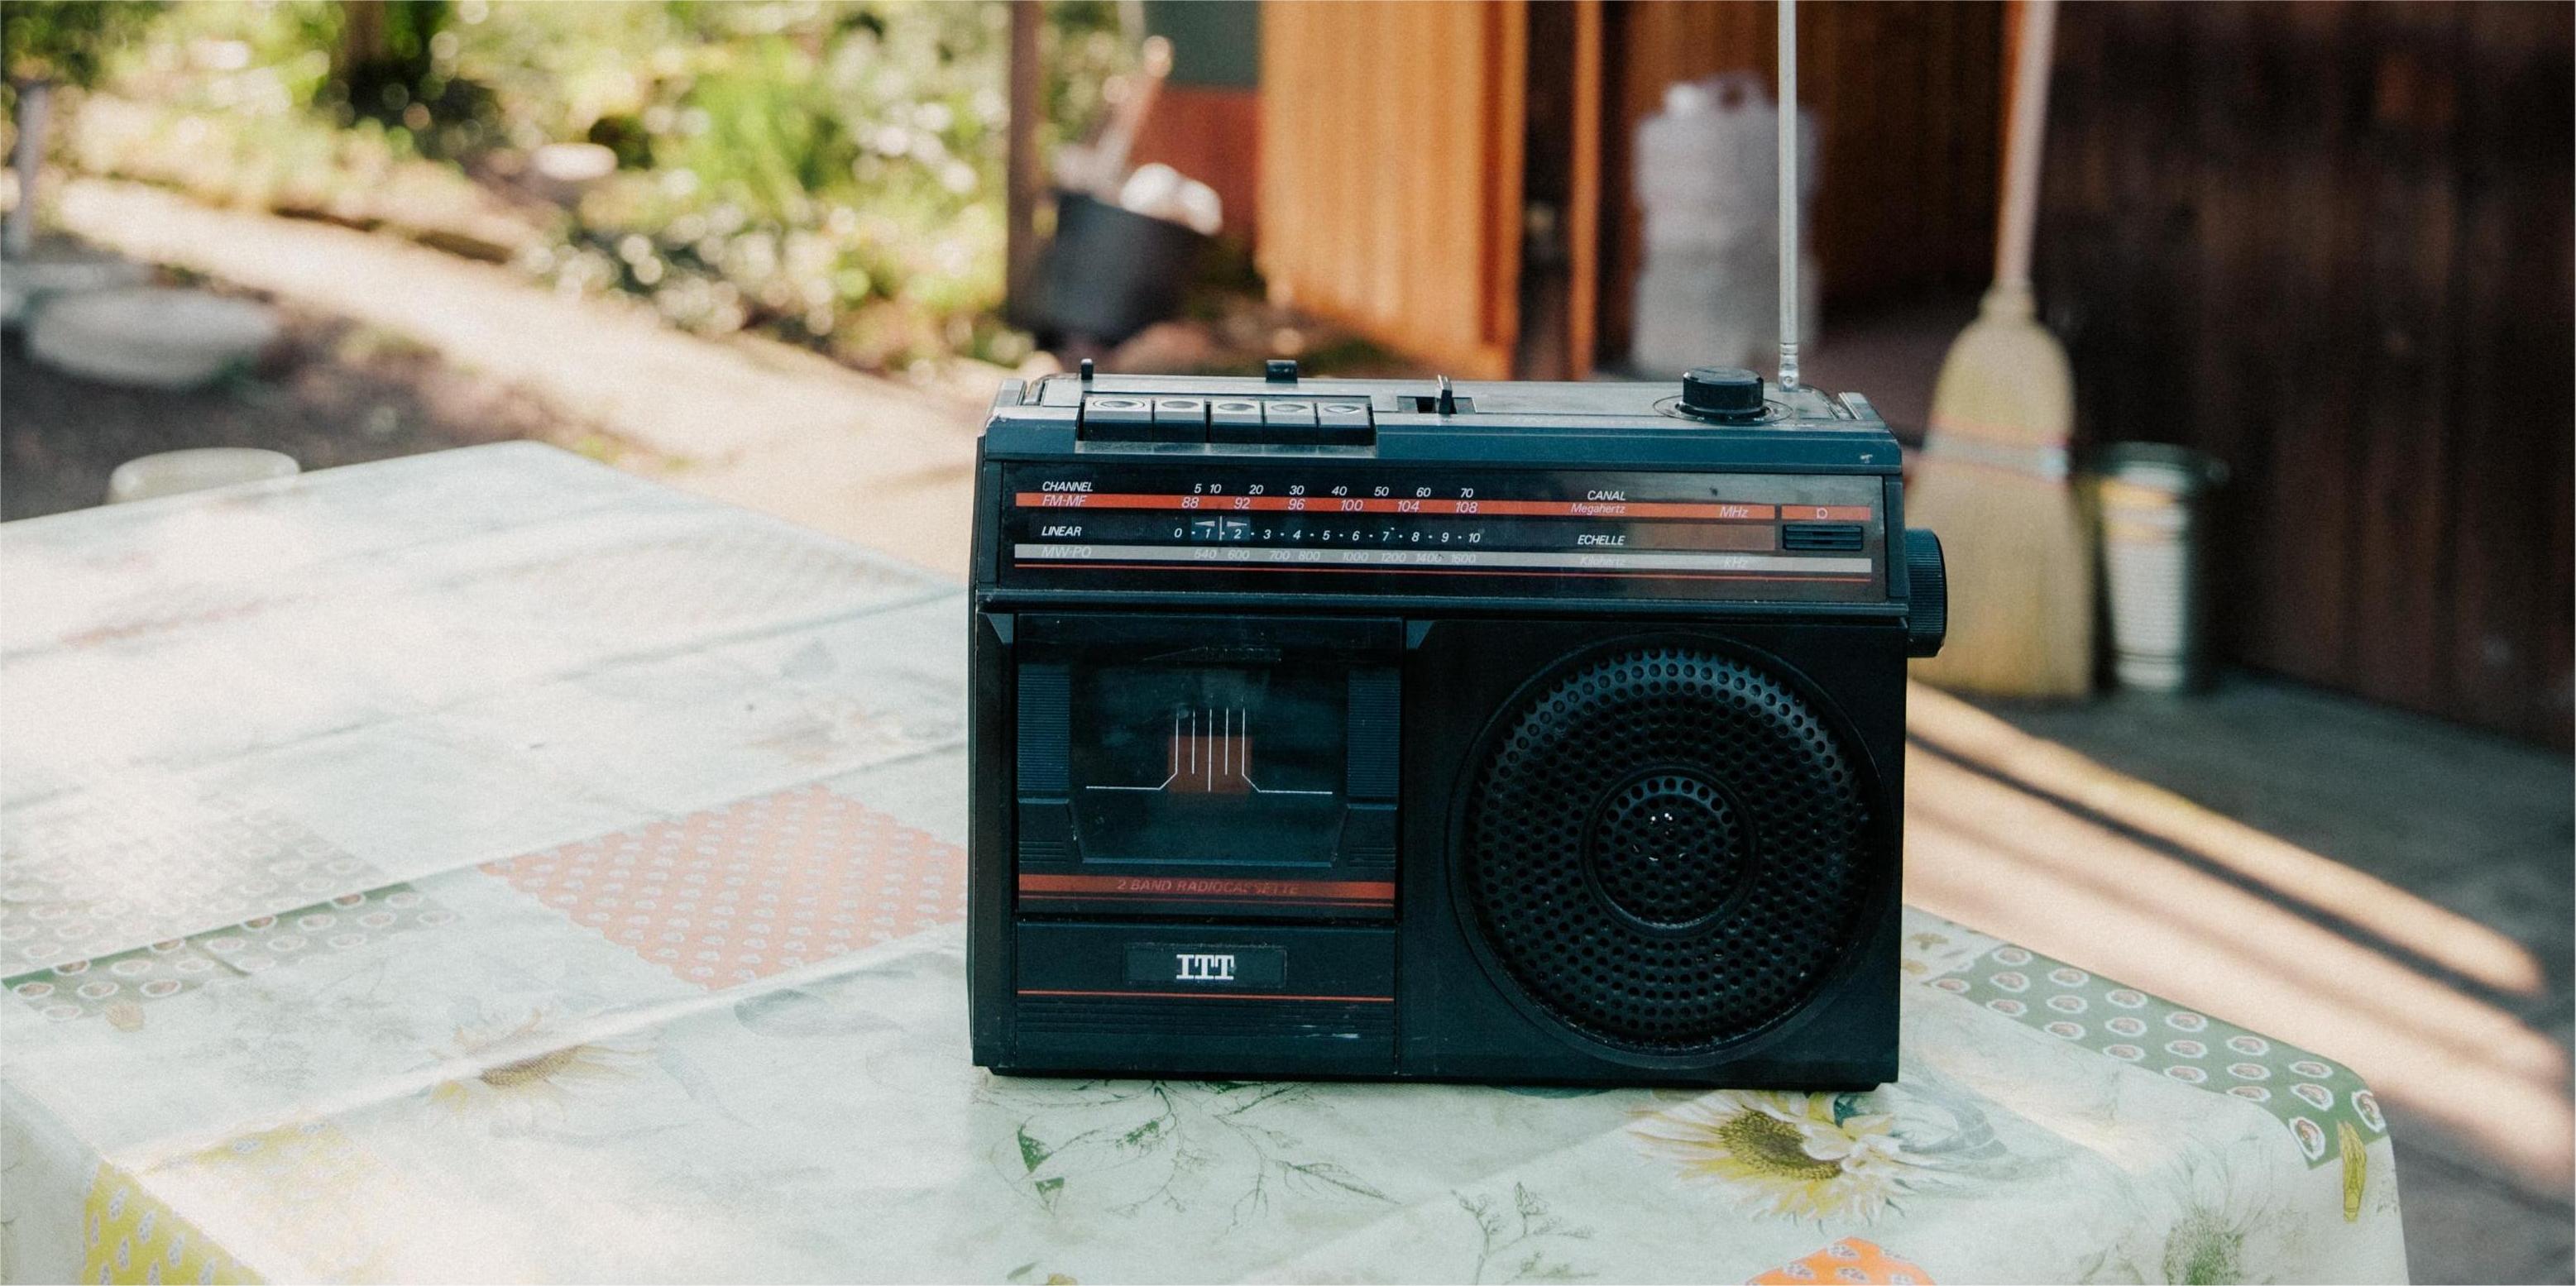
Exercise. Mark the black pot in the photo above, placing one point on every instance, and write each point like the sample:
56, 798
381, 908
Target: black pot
1111, 272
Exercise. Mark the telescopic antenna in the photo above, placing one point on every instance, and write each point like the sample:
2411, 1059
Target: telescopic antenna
1788, 195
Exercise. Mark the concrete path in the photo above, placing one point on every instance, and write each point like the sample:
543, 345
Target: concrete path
746, 420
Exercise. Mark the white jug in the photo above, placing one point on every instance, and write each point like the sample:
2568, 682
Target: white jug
1708, 290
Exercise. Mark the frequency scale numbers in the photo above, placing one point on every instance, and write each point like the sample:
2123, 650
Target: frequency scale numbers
1299, 498
1214, 530
1300, 491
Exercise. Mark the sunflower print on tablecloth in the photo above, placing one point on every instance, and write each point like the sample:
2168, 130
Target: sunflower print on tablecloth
1787, 1155
522, 1090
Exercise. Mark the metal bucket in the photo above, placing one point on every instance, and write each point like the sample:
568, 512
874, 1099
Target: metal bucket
2155, 563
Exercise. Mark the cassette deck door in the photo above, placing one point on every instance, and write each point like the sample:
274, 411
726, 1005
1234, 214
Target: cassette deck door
1207, 765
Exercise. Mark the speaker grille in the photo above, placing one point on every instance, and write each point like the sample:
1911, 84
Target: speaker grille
1667, 850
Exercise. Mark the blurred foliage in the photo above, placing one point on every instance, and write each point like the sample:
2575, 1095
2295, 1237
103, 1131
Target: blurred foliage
832, 173
385, 57
66, 40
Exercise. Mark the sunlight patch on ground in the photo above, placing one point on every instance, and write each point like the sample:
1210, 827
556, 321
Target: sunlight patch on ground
2432, 932
1991, 843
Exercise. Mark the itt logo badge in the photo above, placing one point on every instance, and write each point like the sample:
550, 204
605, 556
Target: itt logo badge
1203, 968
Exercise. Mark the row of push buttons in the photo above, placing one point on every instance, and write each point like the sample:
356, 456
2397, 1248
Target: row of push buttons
1283, 421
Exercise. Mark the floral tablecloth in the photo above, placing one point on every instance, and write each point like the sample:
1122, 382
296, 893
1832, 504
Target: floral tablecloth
489, 866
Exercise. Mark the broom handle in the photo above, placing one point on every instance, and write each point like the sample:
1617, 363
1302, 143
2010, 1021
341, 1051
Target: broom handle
2023, 144
1788, 175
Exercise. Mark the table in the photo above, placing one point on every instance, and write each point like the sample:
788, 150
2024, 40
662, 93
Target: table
486, 865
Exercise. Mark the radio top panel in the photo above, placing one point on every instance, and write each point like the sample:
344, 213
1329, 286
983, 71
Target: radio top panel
1719, 488
1712, 420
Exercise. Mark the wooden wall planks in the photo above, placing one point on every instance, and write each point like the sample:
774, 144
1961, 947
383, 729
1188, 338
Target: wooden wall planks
1391, 172
2331, 243
1559, 281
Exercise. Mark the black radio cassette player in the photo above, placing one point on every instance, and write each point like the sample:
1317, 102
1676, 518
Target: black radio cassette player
1397, 729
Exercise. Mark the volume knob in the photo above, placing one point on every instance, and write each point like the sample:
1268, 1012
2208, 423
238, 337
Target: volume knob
1726, 393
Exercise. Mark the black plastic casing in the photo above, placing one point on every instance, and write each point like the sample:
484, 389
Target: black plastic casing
1440, 1008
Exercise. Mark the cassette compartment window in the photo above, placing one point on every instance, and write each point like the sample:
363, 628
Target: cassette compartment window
1223, 764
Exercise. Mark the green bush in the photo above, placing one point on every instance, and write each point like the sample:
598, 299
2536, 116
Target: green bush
832, 173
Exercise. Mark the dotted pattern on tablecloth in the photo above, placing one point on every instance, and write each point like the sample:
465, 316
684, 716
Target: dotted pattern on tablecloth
290, 1179
309, 1184
2319, 1101
149, 858
130, 1236
736, 893
118, 987
1847, 1260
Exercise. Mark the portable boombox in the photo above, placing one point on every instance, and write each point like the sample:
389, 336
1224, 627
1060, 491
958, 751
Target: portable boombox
1495, 731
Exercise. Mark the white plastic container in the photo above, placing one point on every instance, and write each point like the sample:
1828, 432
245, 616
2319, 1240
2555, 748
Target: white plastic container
1707, 180
173, 473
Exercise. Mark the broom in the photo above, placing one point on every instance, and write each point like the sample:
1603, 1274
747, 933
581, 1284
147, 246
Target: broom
1993, 477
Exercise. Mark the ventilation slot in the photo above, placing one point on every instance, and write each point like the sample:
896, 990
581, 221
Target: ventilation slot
1046, 731
1376, 716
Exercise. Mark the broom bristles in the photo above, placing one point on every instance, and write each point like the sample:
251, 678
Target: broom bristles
1992, 483
2021, 580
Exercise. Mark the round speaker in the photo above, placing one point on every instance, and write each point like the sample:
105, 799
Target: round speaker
1667, 849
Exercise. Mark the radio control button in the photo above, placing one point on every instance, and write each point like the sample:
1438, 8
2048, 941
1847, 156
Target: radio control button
1180, 419
1295, 414
1234, 420
1345, 423
1724, 393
